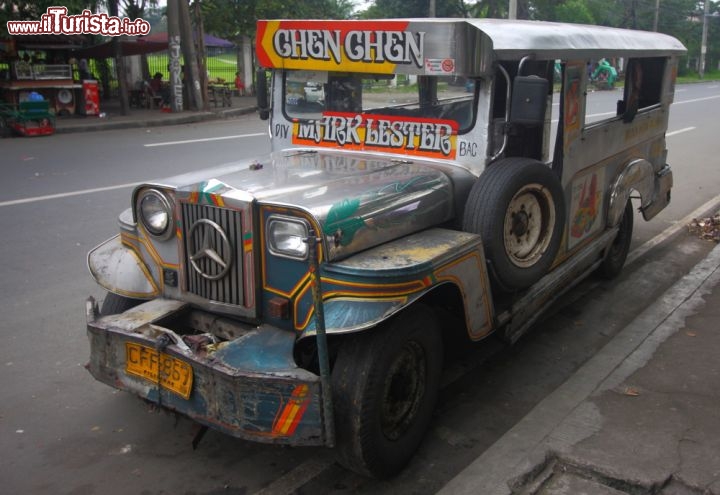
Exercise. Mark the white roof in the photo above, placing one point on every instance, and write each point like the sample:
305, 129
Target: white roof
547, 40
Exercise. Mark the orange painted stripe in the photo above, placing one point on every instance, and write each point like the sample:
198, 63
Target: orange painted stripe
292, 412
298, 417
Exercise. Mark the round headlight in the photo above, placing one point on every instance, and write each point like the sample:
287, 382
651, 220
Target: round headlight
286, 237
155, 212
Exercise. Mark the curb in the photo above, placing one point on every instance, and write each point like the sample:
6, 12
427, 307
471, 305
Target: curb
564, 417
170, 120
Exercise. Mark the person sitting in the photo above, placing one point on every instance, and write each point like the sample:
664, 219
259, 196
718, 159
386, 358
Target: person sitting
156, 83
159, 94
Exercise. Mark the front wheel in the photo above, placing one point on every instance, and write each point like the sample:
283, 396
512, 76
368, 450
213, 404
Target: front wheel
385, 384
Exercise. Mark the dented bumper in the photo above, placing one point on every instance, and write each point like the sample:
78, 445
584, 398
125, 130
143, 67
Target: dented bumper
248, 387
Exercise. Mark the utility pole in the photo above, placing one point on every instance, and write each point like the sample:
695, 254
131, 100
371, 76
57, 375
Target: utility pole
431, 9
657, 15
703, 44
512, 9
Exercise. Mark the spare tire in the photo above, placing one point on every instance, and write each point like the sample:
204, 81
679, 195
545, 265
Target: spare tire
518, 207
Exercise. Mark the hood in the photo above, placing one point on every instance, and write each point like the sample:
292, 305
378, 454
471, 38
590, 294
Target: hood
358, 201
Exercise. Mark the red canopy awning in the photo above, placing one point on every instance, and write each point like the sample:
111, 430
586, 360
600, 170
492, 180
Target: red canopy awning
208, 39
128, 47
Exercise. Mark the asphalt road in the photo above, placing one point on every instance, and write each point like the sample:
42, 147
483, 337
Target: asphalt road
63, 433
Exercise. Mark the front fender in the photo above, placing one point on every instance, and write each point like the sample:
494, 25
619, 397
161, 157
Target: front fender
118, 269
352, 315
364, 290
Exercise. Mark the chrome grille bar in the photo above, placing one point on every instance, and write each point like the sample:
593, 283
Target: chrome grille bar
217, 231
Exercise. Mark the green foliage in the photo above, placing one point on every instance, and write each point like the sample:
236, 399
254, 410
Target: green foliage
232, 19
393, 9
574, 11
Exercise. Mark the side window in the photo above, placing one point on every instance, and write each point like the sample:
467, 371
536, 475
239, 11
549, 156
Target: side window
643, 86
602, 77
643, 79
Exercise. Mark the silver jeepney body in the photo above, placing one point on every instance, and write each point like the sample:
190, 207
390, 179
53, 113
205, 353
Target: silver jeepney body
383, 188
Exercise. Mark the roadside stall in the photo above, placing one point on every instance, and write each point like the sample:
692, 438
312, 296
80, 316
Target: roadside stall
40, 65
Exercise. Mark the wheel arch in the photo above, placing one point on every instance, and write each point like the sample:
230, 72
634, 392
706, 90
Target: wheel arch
470, 309
637, 175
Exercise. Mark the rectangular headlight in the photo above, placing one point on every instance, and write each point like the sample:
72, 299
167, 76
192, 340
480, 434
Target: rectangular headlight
286, 237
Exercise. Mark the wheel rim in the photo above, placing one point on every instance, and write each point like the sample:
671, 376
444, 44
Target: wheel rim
529, 222
403, 391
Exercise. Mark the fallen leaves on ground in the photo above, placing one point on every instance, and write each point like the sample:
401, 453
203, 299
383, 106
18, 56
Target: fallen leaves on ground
707, 228
631, 391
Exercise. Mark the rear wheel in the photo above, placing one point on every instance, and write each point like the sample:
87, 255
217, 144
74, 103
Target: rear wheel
5, 129
115, 304
615, 259
385, 385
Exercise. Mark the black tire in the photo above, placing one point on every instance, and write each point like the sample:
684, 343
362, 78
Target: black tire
114, 304
5, 130
518, 207
617, 252
385, 385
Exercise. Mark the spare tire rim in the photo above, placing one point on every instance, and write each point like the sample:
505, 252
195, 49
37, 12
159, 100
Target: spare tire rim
404, 390
529, 223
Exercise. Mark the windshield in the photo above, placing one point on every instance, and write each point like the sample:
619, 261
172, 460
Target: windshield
311, 94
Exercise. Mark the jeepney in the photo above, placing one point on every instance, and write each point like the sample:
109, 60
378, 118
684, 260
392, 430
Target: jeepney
418, 177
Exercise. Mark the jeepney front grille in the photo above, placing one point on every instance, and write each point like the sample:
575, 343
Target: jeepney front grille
213, 253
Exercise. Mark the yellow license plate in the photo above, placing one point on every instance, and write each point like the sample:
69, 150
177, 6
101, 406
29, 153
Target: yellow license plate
167, 371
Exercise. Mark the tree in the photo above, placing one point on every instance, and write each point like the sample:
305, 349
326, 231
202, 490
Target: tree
232, 19
574, 11
392, 9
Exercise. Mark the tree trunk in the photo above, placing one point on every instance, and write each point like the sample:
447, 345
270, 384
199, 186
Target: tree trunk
202, 57
119, 64
176, 81
189, 55
247, 47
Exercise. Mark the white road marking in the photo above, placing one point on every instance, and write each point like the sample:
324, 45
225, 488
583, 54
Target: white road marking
67, 194
203, 140
679, 131
695, 100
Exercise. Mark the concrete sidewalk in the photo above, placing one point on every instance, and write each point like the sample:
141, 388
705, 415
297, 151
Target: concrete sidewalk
142, 117
641, 417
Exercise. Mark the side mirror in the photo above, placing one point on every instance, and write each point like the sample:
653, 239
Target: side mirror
529, 100
263, 100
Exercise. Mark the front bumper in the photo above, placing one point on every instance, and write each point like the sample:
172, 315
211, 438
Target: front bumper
248, 387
